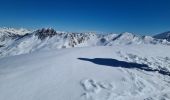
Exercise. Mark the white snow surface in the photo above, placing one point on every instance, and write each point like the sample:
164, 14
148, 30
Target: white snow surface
19, 31
10, 35
82, 74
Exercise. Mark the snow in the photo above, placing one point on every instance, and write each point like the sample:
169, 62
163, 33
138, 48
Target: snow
9, 35
83, 74
48, 38
19, 31
92, 66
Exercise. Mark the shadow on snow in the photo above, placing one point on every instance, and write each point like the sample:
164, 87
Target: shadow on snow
116, 63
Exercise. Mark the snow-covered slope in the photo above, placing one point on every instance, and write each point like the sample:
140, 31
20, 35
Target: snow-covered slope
165, 35
9, 35
129, 72
48, 38
19, 31
132, 39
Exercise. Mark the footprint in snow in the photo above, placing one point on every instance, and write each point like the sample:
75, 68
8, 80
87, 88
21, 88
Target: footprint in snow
90, 85
96, 90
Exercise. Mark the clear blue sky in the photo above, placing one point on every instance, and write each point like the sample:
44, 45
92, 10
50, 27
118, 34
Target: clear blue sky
138, 16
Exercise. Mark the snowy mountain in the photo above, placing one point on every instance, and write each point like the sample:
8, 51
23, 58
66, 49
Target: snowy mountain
35, 65
122, 72
20, 31
9, 35
165, 35
16, 42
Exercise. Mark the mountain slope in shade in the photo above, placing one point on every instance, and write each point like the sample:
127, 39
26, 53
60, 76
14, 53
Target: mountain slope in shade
89, 73
165, 35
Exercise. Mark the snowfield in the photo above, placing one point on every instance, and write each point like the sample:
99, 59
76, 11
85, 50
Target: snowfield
120, 72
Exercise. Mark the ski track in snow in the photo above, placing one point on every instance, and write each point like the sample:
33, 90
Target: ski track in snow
96, 90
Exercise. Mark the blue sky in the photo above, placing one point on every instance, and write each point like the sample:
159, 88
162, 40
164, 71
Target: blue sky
137, 16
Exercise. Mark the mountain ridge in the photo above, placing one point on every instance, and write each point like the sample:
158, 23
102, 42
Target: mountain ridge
48, 38
164, 35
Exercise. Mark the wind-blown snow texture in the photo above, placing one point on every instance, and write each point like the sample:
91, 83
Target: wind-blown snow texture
106, 67
66, 74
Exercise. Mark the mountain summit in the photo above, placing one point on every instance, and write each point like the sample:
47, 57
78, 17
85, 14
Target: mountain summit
165, 35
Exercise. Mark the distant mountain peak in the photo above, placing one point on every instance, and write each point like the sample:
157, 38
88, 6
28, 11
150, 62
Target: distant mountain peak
16, 31
45, 32
165, 35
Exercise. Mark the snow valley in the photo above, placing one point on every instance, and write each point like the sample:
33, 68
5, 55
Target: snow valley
51, 65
